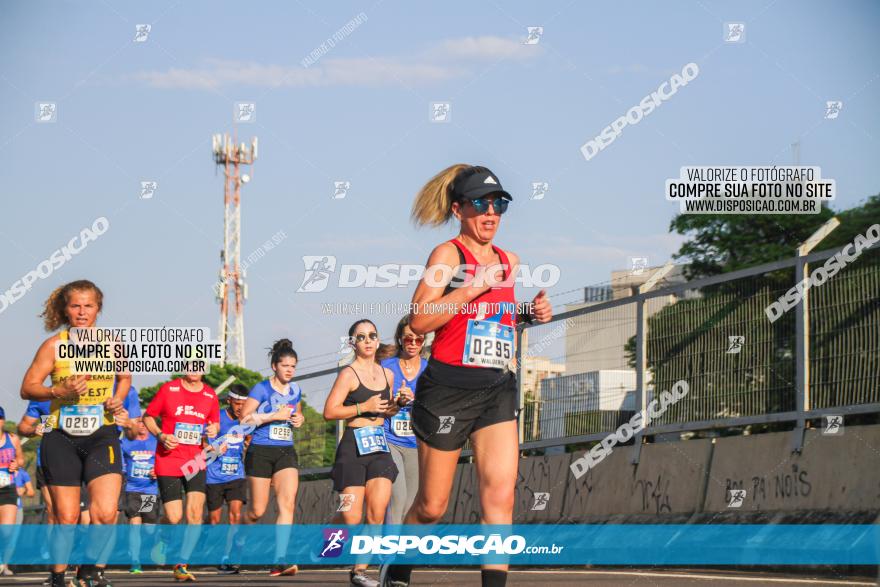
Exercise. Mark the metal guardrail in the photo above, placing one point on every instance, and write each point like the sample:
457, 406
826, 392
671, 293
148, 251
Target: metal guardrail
820, 358
724, 392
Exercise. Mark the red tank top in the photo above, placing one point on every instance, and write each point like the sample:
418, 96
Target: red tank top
496, 305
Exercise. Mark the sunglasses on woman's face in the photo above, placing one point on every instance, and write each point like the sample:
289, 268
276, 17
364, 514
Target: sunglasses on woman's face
409, 339
481, 205
362, 337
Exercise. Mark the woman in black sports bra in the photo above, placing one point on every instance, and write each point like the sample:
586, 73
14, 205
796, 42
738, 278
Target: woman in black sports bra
364, 470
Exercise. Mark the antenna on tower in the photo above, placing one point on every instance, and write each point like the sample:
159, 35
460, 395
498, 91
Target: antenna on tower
231, 156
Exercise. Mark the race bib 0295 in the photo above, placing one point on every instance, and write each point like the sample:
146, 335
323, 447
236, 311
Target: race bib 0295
488, 344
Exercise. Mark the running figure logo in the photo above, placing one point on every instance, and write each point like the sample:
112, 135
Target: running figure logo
735, 497
833, 426
539, 189
832, 109
446, 423
333, 542
245, 112
735, 344
440, 112
148, 188
318, 270
148, 502
141, 32
534, 35
47, 112
340, 189
639, 264
346, 500
734, 32
541, 500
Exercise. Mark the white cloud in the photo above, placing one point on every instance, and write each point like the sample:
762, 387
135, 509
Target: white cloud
449, 59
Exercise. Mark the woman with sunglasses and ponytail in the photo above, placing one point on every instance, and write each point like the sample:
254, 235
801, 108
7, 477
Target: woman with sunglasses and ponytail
406, 365
271, 460
364, 468
467, 390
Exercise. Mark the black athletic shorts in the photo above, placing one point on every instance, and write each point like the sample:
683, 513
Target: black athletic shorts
353, 470
174, 488
217, 493
84, 498
70, 461
39, 477
143, 505
8, 495
445, 412
264, 461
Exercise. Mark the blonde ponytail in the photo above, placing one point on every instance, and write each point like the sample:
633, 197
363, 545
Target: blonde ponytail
433, 205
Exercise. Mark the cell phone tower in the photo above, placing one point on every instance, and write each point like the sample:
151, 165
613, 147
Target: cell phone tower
231, 284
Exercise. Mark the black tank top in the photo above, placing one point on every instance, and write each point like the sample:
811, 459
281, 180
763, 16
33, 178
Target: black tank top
362, 393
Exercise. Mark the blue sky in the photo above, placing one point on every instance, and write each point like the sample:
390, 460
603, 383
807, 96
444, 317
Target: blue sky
129, 112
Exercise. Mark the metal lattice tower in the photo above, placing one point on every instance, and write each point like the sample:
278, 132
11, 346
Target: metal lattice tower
232, 278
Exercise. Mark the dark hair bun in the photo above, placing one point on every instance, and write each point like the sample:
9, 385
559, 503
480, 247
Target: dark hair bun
281, 345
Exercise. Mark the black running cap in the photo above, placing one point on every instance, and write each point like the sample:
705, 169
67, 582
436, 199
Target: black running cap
477, 182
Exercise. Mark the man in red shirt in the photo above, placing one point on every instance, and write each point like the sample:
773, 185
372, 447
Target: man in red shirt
188, 410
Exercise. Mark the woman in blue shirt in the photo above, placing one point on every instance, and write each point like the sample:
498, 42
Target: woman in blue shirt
407, 365
272, 408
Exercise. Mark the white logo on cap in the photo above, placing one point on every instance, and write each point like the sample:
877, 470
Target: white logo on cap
490, 179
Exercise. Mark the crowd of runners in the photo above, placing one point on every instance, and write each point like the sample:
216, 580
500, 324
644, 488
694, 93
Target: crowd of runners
406, 417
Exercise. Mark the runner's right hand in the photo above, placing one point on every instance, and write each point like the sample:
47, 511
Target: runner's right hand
375, 404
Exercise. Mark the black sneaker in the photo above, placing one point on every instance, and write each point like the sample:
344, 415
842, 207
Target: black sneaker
99, 580
83, 577
226, 569
56, 580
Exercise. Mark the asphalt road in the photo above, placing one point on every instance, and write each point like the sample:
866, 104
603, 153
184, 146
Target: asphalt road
469, 578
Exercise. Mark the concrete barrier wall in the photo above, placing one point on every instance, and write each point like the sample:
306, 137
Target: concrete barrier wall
832, 472
674, 482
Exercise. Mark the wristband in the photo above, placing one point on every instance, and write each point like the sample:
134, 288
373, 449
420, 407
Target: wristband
358, 407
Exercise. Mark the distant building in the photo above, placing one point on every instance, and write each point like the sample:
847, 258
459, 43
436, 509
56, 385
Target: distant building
535, 369
595, 341
584, 403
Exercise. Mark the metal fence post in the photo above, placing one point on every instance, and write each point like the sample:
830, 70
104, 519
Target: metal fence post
802, 334
641, 372
521, 339
642, 356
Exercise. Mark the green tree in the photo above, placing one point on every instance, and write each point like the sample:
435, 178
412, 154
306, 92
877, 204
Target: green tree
687, 339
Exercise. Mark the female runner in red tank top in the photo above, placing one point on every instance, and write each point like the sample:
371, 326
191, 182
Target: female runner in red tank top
467, 390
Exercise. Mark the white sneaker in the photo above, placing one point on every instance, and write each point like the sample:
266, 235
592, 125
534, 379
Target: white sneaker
4, 570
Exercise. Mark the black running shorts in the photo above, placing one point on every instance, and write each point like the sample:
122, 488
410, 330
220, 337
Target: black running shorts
353, 470
264, 461
143, 505
444, 414
218, 493
71, 461
174, 488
